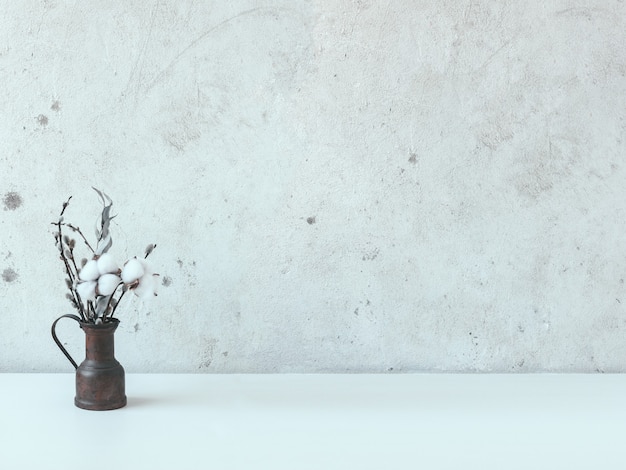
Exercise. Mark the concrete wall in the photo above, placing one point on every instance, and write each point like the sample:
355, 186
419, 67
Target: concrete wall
332, 185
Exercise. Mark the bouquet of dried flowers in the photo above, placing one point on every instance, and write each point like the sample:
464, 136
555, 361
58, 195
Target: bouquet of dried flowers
97, 285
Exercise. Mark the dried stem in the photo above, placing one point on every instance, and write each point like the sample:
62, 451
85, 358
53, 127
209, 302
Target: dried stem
111, 300
91, 310
65, 204
118, 302
77, 229
72, 275
149, 249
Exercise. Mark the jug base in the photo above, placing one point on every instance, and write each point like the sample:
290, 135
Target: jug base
99, 405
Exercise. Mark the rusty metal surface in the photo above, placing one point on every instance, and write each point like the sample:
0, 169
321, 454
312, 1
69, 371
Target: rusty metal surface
100, 377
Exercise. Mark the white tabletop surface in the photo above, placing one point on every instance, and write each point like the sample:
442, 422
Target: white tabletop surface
413, 421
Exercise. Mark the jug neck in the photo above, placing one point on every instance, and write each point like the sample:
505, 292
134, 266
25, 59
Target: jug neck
99, 340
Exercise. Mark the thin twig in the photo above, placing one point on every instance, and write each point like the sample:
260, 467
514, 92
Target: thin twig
149, 250
65, 204
118, 302
77, 229
72, 276
79, 302
111, 299
91, 307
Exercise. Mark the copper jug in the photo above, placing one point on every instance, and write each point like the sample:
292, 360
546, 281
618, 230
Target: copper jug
100, 377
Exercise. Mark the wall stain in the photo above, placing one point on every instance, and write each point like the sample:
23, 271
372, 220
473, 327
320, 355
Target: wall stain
207, 356
310, 220
167, 281
12, 201
371, 255
42, 119
9, 275
56, 106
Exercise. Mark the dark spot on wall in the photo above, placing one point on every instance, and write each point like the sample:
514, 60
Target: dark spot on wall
310, 220
371, 255
12, 201
207, 356
9, 275
56, 105
136, 327
413, 158
225, 354
167, 281
180, 262
42, 119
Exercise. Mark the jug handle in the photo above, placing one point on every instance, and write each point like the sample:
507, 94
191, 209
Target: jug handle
56, 340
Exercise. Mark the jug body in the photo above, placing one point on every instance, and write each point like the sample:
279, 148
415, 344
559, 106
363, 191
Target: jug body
100, 379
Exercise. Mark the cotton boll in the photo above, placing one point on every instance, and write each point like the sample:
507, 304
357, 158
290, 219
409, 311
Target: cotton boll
107, 283
132, 270
148, 283
90, 271
87, 290
147, 287
106, 264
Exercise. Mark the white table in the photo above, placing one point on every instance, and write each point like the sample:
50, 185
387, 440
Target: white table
425, 421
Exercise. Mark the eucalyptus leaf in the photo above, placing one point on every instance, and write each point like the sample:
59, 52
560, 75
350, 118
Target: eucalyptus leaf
101, 305
104, 245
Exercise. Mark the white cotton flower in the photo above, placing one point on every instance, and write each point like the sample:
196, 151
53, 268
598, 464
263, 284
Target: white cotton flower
87, 290
147, 286
107, 283
132, 270
90, 271
106, 264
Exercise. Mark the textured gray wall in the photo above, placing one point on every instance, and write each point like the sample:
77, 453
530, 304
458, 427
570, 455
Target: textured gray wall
332, 185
